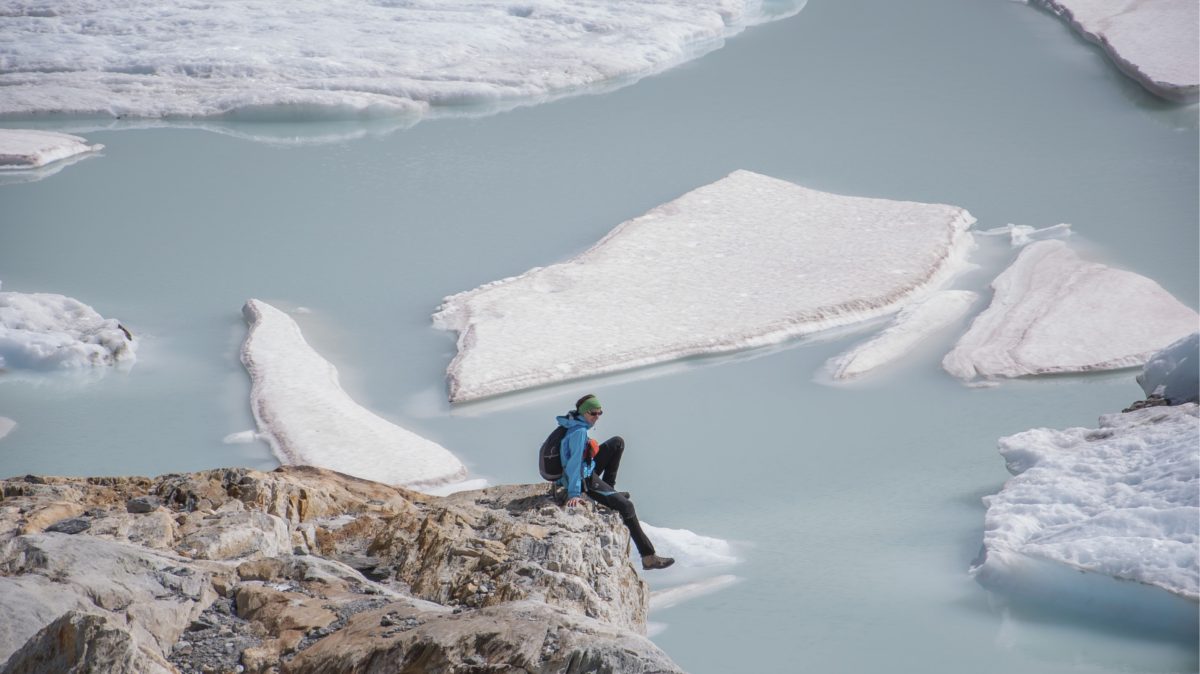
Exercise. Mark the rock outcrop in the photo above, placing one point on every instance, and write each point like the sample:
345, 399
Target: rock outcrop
308, 570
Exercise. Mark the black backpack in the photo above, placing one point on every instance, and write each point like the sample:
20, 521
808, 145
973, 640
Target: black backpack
549, 458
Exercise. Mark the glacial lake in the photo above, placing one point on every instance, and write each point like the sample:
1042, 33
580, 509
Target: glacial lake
854, 509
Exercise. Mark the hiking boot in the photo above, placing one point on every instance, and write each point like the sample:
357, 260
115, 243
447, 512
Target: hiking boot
651, 562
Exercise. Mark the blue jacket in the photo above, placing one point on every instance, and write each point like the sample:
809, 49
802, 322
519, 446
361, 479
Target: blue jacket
573, 447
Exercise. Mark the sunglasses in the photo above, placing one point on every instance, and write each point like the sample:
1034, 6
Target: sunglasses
595, 413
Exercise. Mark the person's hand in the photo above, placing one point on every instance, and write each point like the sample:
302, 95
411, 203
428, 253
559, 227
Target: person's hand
574, 501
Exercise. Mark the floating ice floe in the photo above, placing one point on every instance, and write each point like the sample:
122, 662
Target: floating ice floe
343, 58
1156, 42
307, 418
1089, 508
699, 569
45, 331
1021, 235
1174, 372
910, 327
1053, 312
22, 149
743, 262
27, 155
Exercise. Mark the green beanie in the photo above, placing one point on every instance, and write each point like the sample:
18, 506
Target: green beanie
588, 404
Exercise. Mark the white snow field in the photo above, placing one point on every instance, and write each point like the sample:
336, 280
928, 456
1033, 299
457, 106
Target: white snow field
1174, 372
46, 331
746, 261
30, 149
1053, 312
342, 58
308, 419
911, 326
1119, 502
1156, 42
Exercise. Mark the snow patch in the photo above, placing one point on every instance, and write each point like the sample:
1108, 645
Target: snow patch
745, 262
308, 419
1053, 312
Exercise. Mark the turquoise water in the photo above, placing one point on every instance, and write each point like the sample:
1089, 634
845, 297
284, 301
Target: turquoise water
856, 509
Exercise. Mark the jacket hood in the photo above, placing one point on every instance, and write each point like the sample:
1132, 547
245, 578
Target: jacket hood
572, 420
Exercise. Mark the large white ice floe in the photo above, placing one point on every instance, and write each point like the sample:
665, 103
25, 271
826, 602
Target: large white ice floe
1156, 42
306, 417
22, 149
1174, 372
746, 261
342, 58
46, 331
1053, 312
911, 326
1087, 506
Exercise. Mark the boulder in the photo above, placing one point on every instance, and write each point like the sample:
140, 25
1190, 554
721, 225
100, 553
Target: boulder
85, 642
303, 569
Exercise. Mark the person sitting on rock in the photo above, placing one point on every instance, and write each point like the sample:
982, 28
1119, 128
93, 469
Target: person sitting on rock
591, 469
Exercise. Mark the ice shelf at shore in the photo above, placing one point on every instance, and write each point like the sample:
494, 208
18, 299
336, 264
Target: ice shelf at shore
1117, 503
22, 149
743, 262
47, 331
343, 58
308, 419
1155, 42
1053, 312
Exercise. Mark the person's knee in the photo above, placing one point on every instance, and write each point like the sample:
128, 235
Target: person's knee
616, 442
624, 506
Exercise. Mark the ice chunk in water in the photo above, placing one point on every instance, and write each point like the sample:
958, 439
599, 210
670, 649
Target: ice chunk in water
307, 418
911, 326
1174, 372
30, 149
746, 261
1119, 502
1156, 42
1054, 312
46, 331
313, 59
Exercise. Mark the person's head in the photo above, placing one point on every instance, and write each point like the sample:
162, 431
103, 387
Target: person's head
589, 408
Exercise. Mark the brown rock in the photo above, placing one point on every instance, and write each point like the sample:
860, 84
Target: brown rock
84, 642
51, 513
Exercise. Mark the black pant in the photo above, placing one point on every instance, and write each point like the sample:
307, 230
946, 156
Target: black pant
608, 460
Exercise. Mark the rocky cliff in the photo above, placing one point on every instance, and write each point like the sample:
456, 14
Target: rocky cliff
306, 570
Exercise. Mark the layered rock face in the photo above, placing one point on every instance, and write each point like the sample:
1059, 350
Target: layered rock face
308, 570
